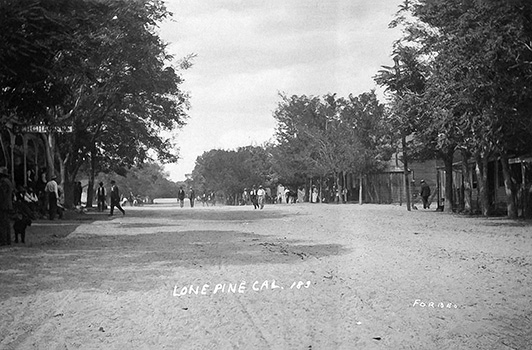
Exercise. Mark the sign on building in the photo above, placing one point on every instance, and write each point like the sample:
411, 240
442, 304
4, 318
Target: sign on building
42, 129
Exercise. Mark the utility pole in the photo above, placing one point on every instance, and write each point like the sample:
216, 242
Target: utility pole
403, 140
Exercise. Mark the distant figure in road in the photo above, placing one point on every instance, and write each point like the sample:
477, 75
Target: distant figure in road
261, 197
78, 191
192, 196
314, 194
301, 193
181, 197
76, 194
41, 194
425, 194
52, 191
115, 199
253, 197
245, 197
6, 206
100, 197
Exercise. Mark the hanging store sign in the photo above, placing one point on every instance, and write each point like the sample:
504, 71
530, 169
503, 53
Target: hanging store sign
42, 129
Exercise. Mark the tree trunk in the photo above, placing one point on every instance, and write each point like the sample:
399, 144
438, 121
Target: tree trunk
510, 187
526, 189
320, 196
4, 152
448, 162
67, 182
360, 191
405, 170
49, 147
92, 176
466, 175
345, 187
337, 194
481, 169
309, 191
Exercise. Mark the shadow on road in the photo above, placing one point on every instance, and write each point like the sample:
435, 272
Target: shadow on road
208, 213
131, 262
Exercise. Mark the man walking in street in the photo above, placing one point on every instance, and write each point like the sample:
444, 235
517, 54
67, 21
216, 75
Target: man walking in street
261, 197
6, 206
115, 198
253, 197
181, 196
192, 196
425, 194
100, 197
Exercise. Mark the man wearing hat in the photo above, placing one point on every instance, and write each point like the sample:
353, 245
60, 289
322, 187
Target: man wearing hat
253, 197
115, 198
261, 196
6, 206
425, 194
52, 191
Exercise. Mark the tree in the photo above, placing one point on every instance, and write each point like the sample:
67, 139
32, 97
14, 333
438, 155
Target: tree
148, 180
299, 124
228, 172
329, 136
406, 80
478, 87
105, 72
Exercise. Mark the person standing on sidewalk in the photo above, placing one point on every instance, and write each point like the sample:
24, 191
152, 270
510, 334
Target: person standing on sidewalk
115, 198
181, 196
6, 206
425, 194
52, 191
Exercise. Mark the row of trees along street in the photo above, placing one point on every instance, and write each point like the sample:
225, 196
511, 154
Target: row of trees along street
461, 84
98, 66
316, 138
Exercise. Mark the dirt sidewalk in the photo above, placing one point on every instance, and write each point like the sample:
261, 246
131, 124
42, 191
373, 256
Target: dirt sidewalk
287, 277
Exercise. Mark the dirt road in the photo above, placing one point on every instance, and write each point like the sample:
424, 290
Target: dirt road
287, 277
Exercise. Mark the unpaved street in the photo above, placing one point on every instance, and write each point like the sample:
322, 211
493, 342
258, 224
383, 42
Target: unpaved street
287, 277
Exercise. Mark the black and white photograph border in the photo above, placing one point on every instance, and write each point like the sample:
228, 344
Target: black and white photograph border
193, 174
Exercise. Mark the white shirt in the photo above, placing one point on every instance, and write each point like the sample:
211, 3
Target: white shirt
51, 186
100, 191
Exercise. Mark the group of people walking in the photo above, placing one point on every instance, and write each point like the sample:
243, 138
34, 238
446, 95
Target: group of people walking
181, 195
257, 197
114, 197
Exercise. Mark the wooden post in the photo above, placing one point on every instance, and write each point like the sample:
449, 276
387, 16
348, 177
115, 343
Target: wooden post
405, 170
12, 140
25, 146
360, 191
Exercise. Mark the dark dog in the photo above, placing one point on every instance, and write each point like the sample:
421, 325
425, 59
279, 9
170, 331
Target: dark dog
23, 217
20, 228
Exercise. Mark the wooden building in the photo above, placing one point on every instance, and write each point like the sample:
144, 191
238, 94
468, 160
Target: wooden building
521, 166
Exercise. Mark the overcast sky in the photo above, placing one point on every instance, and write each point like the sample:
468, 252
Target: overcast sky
250, 50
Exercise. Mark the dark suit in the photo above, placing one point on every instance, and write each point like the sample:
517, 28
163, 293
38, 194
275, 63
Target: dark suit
115, 200
100, 197
425, 194
6, 208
